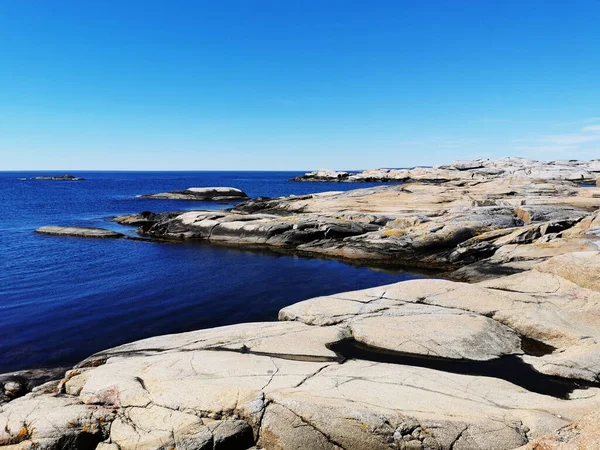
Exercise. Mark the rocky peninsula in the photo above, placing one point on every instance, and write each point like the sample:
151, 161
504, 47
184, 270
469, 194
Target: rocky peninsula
472, 229
503, 352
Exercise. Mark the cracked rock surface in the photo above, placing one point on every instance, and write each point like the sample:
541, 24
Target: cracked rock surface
282, 385
510, 359
481, 229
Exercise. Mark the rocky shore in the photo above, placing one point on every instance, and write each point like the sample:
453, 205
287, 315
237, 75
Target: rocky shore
587, 172
509, 359
370, 369
474, 229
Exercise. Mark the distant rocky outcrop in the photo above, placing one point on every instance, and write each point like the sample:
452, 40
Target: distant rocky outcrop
202, 194
79, 232
65, 177
323, 175
480, 169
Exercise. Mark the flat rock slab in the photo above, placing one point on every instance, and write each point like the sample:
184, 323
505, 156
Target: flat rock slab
266, 384
456, 336
202, 194
79, 232
430, 317
582, 268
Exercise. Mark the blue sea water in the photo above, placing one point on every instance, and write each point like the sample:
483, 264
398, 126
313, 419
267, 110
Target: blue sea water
62, 298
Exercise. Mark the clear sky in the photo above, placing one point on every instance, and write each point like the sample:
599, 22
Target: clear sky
290, 84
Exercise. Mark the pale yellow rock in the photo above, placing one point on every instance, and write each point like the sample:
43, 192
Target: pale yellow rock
582, 268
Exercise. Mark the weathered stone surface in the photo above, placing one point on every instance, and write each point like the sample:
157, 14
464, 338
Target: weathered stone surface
466, 170
582, 268
583, 434
541, 306
145, 219
79, 232
444, 226
202, 194
51, 422
17, 384
468, 164
438, 333
548, 213
281, 385
400, 366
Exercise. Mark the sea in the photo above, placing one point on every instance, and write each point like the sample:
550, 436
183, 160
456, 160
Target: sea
65, 298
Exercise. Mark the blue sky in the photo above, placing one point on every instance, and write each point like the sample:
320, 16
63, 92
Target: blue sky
257, 84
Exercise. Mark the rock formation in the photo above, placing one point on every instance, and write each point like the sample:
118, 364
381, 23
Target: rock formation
202, 194
477, 227
586, 172
509, 360
16, 384
79, 232
421, 364
65, 177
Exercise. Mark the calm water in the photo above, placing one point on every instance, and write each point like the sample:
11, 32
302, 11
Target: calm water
62, 299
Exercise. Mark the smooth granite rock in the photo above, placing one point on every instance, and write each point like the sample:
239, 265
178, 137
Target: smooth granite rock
468, 170
481, 224
289, 384
79, 232
582, 268
508, 361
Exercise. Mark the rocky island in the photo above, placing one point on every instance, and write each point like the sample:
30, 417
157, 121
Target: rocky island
65, 177
502, 351
79, 232
202, 194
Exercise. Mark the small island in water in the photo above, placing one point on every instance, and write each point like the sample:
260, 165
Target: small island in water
65, 177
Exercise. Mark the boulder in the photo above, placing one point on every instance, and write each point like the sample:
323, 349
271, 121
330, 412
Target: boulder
468, 164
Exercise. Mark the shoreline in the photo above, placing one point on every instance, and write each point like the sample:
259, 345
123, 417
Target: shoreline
103, 381
405, 365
